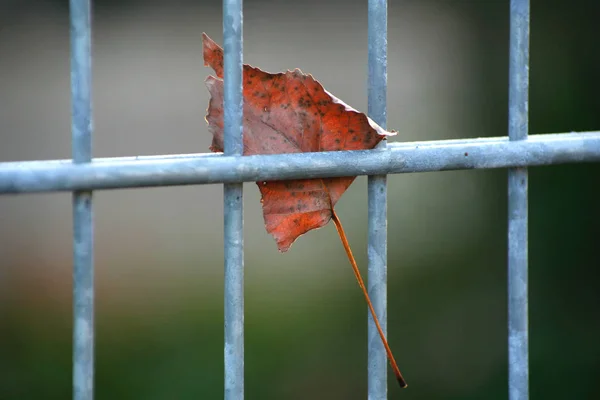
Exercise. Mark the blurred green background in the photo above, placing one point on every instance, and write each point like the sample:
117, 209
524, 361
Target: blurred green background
159, 309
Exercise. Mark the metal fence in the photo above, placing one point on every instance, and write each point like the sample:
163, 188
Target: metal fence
82, 175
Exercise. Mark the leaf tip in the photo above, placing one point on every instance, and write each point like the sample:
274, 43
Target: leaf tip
212, 54
206, 42
283, 245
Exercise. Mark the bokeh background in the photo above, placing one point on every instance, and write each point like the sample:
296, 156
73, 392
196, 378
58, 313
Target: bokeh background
159, 262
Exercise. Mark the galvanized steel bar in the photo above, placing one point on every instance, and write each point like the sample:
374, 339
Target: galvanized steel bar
83, 252
518, 347
191, 169
233, 197
377, 203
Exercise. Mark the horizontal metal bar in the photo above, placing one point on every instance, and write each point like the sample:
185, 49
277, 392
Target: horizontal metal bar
130, 172
188, 156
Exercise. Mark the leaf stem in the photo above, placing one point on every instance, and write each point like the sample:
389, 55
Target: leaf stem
340, 229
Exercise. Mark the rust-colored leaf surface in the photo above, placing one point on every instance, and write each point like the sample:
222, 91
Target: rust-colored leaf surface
290, 113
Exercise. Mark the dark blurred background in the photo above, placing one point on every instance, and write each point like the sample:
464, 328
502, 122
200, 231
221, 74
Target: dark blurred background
159, 263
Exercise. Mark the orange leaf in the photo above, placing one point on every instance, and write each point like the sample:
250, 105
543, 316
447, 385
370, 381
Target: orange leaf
290, 112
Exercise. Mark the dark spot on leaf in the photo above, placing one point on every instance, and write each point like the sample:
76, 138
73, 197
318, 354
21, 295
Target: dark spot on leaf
248, 82
338, 141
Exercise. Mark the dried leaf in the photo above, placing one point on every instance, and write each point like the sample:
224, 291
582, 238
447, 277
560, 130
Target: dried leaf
290, 112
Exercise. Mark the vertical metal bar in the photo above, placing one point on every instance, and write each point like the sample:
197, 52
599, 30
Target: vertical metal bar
518, 346
233, 197
377, 191
83, 254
